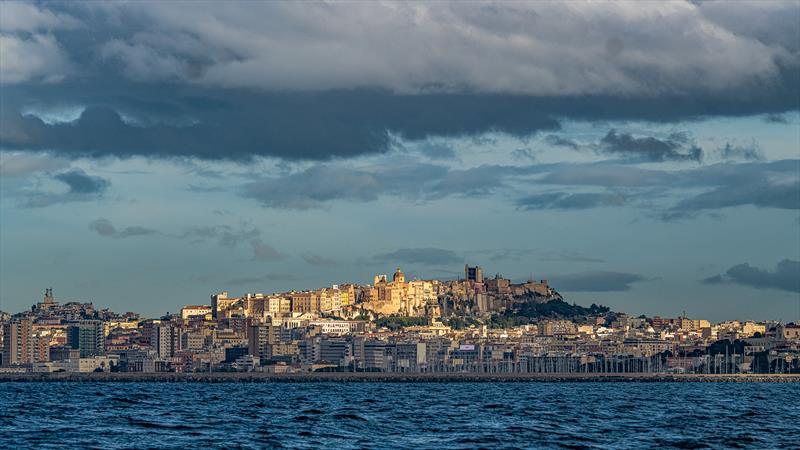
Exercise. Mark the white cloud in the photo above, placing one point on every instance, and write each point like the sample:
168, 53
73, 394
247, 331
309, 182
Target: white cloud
569, 48
20, 16
36, 58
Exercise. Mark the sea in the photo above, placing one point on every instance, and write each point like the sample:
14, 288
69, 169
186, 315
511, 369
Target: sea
339, 415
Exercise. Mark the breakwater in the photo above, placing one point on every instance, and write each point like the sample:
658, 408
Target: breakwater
252, 377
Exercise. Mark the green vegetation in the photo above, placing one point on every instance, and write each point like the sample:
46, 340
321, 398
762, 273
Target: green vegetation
529, 312
396, 322
459, 323
720, 347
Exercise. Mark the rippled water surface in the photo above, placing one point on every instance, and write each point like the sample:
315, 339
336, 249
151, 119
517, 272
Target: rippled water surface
383, 415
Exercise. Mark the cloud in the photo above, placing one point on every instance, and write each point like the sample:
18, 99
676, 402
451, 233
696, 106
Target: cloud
236, 126
81, 187
30, 51
597, 281
104, 227
668, 194
20, 164
773, 184
428, 256
27, 17
316, 260
225, 235
747, 153
265, 252
675, 148
785, 277
438, 151
227, 82
776, 118
38, 57
523, 154
81, 183
607, 175
566, 201
320, 184
559, 141
504, 47
544, 255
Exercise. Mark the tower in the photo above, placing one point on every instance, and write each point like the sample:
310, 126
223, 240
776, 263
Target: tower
473, 273
48, 296
399, 276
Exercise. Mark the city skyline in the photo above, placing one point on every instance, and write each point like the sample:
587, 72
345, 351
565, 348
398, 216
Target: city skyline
373, 281
472, 325
151, 153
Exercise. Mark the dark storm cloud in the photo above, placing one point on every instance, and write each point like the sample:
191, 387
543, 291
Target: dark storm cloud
150, 86
318, 125
323, 125
214, 83
776, 118
786, 276
562, 200
675, 148
81, 187
598, 281
104, 227
81, 183
428, 256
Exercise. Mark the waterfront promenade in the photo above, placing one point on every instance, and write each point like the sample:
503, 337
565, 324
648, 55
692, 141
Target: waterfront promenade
222, 377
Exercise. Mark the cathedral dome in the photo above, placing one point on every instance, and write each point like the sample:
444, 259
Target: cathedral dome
399, 277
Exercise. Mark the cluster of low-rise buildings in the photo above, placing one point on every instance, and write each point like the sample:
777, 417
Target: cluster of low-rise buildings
392, 325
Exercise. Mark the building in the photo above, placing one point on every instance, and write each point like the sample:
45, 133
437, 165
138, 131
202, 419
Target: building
195, 311
303, 302
261, 338
47, 304
220, 303
557, 328
165, 340
193, 340
790, 332
18, 342
93, 364
234, 353
60, 353
498, 285
87, 336
473, 273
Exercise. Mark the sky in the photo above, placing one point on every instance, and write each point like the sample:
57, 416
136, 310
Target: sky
644, 156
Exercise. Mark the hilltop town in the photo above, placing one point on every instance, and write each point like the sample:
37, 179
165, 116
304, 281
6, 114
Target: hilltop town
473, 324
